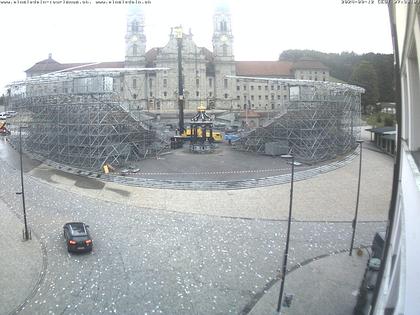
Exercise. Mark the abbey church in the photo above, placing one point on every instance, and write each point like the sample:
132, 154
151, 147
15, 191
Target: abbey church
205, 73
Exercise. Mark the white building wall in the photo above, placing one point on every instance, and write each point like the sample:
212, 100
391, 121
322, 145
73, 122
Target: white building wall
400, 289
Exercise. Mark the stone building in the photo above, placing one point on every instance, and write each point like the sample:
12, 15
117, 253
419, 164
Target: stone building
205, 73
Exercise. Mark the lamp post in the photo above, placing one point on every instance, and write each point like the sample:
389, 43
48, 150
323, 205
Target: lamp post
354, 222
178, 34
286, 251
22, 192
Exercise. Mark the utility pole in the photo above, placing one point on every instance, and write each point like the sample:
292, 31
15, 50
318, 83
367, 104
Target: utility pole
22, 192
289, 221
178, 34
354, 222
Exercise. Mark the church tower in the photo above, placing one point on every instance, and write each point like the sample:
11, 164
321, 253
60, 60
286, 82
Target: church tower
224, 61
135, 40
222, 34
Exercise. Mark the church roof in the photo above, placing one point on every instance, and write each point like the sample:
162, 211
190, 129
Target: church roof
263, 68
45, 65
50, 65
243, 68
309, 64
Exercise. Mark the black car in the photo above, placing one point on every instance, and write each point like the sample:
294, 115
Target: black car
77, 237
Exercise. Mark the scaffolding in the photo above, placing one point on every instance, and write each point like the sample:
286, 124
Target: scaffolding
320, 121
78, 119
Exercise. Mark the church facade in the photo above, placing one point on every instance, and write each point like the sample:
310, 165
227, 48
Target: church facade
206, 74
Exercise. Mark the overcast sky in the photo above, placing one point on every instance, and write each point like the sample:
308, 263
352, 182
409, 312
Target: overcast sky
262, 29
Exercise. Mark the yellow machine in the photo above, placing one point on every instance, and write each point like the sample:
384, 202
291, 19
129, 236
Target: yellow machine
3, 130
217, 135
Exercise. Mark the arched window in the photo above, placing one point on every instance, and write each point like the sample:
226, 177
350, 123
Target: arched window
134, 50
134, 26
224, 50
223, 26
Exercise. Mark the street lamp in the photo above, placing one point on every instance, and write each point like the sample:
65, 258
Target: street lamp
354, 222
286, 251
22, 192
178, 32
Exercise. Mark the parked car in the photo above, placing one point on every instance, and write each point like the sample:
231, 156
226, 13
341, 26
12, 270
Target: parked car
11, 113
4, 115
77, 237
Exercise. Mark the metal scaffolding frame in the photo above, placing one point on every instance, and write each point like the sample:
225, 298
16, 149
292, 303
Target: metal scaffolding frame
76, 118
320, 121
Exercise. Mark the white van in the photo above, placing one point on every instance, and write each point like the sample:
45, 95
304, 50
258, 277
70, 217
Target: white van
3, 116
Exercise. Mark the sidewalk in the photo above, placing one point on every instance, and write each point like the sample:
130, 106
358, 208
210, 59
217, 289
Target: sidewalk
21, 262
317, 286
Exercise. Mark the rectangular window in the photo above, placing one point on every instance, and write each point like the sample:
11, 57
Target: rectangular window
259, 87
259, 97
197, 82
272, 97
244, 87
252, 97
210, 94
272, 87
238, 88
278, 87
210, 82
252, 88
266, 97
226, 96
165, 94
151, 94
266, 87
197, 94
165, 82
150, 83
225, 83
278, 97
238, 97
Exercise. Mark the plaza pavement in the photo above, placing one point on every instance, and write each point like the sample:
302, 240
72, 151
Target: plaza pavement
21, 262
326, 197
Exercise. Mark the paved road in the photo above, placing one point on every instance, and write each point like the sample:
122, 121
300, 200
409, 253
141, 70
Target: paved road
148, 261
